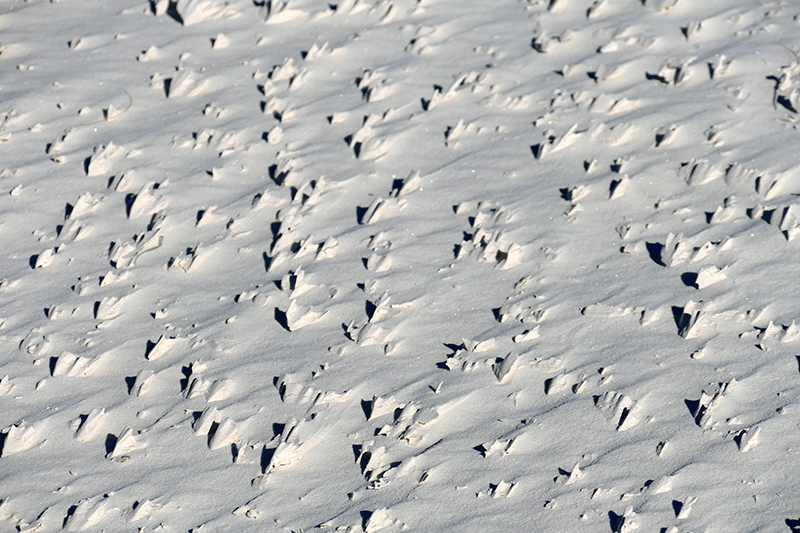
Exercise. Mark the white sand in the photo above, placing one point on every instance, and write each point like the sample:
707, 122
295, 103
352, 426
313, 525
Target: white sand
423, 265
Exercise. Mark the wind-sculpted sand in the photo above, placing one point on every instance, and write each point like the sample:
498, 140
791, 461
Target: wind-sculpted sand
399, 265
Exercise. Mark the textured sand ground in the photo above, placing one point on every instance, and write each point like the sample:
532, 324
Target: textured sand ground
423, 265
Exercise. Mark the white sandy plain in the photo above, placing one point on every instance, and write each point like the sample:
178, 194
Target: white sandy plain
435, 265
